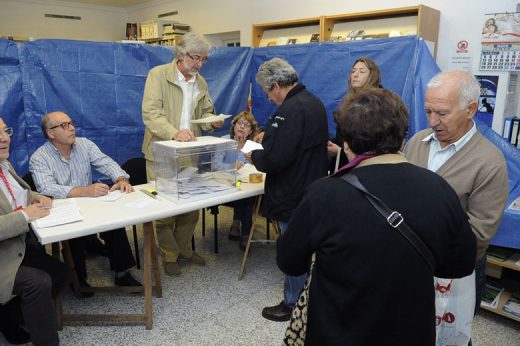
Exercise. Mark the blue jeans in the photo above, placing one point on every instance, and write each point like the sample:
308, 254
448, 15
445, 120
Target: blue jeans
292, 285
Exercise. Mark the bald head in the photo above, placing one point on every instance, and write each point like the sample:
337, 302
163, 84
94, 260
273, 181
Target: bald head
464, 84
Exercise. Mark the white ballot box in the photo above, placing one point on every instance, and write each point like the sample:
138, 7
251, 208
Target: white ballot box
195, 170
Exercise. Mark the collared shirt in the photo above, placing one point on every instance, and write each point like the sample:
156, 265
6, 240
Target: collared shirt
20, 194
189, 93
55, 176
438, 156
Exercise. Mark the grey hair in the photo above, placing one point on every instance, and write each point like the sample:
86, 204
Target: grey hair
469, 87
191, 42
277, 71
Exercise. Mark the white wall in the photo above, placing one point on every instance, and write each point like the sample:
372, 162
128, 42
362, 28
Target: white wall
460, 20
26, 18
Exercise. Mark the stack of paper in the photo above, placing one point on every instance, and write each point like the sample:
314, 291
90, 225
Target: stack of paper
512, 306
63, 211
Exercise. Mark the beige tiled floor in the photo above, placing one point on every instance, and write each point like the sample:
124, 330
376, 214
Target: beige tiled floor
209, 306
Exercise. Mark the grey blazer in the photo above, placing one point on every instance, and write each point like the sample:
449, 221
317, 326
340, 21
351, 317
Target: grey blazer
12, 240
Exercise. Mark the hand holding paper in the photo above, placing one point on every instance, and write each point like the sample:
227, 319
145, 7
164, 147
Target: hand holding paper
211, 119
250, 146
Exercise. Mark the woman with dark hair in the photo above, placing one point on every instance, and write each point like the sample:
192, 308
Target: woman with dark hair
364, 74
369, 285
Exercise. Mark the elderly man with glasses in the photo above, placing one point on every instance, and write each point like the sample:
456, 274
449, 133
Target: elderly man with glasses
26, 270
62, 168
174, 94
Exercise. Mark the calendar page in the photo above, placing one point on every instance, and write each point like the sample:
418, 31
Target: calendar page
501, 42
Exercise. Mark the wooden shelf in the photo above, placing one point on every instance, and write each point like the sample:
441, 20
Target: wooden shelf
426, 22
503, 299
509, 264
258, 29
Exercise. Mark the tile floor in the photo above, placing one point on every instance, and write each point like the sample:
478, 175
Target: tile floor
209, 306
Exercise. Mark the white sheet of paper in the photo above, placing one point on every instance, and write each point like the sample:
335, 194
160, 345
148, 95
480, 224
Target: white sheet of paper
250, 146
211, 119
141, 203
63, 211
111, 196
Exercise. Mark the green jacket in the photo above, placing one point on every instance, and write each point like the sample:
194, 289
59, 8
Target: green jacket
162, 106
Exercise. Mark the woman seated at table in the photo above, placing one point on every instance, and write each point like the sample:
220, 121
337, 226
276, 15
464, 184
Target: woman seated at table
243, 128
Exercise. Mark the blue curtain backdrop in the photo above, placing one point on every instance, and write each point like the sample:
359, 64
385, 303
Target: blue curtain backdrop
100, 85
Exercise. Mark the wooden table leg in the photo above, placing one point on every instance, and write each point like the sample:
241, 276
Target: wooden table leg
251, 231
147, 273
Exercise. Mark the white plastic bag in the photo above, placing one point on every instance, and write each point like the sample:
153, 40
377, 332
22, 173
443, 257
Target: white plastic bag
454, 309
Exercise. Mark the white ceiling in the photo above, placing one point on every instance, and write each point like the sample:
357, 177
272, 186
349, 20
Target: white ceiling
113, 3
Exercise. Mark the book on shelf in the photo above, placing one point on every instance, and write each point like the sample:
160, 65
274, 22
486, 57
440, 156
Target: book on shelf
512, 306
491, 296
315, 38
131, 31
499, 253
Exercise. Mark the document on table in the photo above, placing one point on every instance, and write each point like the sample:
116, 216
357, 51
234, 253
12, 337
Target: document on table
250, 146
111, 196
210, 119
63, 211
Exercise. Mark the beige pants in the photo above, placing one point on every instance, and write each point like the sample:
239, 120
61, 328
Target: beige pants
174, 233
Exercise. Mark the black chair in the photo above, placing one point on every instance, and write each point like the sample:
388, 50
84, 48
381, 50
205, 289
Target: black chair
136, 168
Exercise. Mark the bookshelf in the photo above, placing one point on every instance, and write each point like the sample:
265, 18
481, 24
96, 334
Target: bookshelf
496, 266
259, 29
420, 20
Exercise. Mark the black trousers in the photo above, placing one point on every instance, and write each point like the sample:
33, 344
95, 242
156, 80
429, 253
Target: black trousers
116, 243
39, 279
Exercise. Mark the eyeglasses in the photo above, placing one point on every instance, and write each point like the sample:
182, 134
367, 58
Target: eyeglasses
197, 58
8, 131
243, 124
64, 125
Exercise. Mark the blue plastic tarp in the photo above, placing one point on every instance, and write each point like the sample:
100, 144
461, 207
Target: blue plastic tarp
405, 64
100, 85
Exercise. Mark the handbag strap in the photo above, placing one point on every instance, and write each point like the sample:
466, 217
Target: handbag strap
394, 219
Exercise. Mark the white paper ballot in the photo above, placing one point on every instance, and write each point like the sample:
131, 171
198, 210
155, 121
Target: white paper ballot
250, 146
111, 196
212, 119
63, 211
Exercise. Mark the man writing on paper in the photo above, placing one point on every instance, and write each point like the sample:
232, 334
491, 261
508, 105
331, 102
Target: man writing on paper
454, 148
26, 270
174, 94
62, 168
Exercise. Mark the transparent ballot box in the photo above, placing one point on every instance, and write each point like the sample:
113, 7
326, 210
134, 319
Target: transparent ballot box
187, 171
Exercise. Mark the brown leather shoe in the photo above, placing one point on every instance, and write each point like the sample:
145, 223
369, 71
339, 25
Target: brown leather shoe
195, 259
171, 268
234, 230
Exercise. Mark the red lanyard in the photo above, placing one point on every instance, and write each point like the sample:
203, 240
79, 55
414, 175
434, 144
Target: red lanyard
9, 189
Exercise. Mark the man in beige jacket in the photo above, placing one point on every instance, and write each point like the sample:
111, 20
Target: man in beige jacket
26, 270
174, 94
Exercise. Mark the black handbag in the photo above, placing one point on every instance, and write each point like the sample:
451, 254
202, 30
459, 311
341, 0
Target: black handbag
394, 219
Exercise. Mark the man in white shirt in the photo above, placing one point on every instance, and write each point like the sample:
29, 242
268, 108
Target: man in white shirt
174, 94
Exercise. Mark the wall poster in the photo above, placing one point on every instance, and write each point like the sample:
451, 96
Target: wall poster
487, 98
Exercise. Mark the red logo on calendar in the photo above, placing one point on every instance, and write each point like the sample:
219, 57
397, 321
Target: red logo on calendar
462, 46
